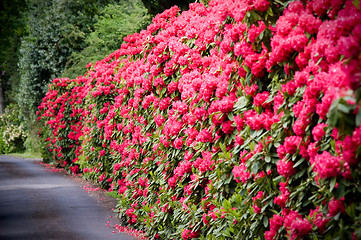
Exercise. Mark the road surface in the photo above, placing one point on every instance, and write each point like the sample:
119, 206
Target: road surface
36, 203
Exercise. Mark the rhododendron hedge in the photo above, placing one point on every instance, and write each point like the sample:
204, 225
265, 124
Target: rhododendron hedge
239, 120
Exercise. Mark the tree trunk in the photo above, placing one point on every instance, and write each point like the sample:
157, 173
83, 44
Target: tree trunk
1, 99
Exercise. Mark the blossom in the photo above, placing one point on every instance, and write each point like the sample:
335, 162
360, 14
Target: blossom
282, 199
183, 168
300, 227
227, 127
178, 143
205, 163
326, 165
319, 219
318, 131
285, 168
101, 152
240, 173
204, 136
335, 206
260, 99
261, 5
172, 181
164, 103
276, 222
226, 104
189, 234
292, 144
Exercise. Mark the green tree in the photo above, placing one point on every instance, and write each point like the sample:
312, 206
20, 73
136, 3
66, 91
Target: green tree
114, 22
56, 30
13, 28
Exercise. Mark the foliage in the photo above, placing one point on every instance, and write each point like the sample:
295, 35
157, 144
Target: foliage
56, 30
113, 23
223, 122
158, 6
11, 16
13, 133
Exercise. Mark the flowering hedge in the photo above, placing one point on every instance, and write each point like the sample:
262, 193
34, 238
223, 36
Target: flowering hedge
239, 120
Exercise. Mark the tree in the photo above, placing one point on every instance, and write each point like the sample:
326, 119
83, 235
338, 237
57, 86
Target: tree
13, 28
114, 22
56, 30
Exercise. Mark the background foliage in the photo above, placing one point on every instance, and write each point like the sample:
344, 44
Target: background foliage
42, 40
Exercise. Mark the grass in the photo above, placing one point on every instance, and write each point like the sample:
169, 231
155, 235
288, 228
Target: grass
26, 155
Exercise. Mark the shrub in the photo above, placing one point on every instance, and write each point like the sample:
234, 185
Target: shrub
13, 133
236, 121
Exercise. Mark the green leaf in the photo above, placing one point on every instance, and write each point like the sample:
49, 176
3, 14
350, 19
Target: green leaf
223, 147
265, 221
356, 3
344, 108
340, 191
230, 116
299, 162
255, 167
332, 184
358, 118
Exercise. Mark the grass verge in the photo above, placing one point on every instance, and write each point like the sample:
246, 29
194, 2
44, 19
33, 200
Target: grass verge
26, 155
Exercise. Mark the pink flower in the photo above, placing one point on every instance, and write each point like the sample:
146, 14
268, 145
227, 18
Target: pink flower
200, 113
300, 125
282, 199
205, 218
276, 222
204, 136
226, 104
188, 234
172, 87
172, 182
240, 173
184, 167
164, 103
227, 127
334, 207
318, 131
300, 227
312, 150
204, 164
318, 219
260, 98
181, 107
159, 120
326, 165
261, 5
285, 168
116, 167
292, 144
239, 122
102, 177
101, 152
178, 143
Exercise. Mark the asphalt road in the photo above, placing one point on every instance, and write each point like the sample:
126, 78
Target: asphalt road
36, 203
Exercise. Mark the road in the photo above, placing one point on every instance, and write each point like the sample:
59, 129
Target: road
36, 203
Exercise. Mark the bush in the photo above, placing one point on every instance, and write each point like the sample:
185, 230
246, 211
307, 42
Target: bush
13, 132
236, 121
